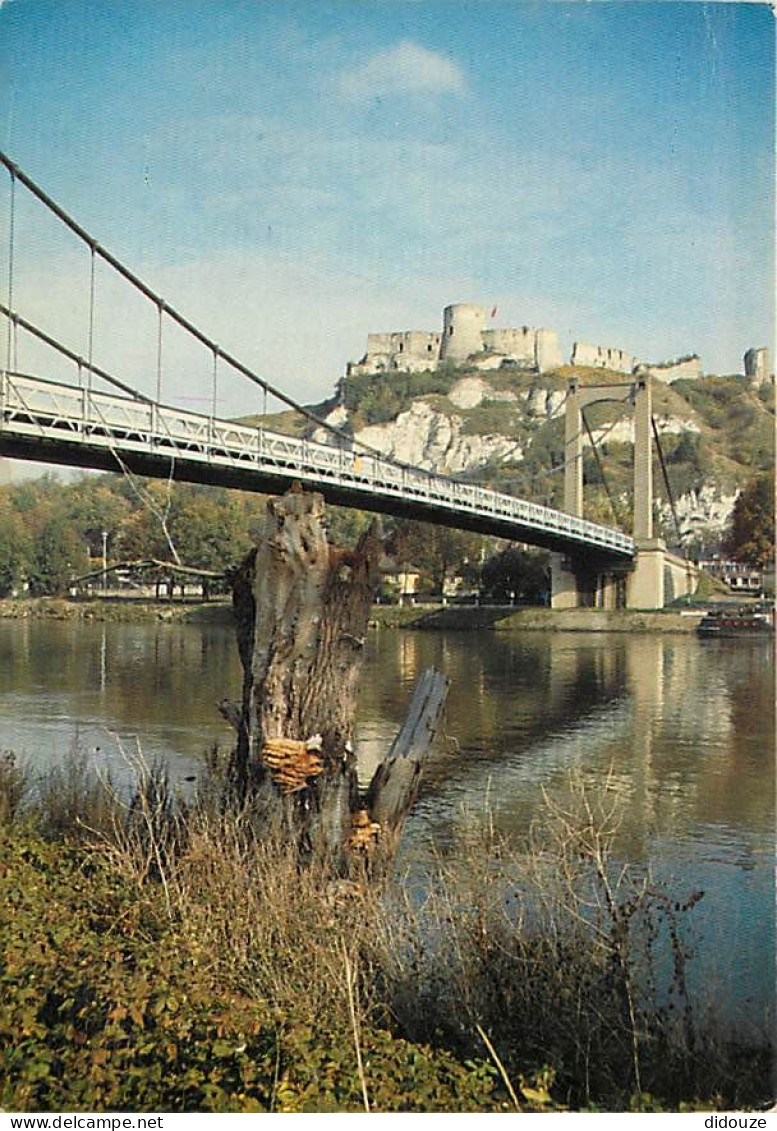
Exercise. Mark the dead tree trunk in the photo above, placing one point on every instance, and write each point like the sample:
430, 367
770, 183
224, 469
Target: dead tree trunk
301, 610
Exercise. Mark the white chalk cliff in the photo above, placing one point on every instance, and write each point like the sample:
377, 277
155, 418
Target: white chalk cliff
433, 440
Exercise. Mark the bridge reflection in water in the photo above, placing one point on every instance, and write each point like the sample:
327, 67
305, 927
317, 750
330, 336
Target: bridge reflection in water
669, 718
681, 732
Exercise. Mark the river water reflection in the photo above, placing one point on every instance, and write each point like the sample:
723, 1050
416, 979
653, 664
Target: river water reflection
684, 728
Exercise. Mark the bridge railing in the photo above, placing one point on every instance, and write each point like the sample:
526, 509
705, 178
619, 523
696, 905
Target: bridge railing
63, 413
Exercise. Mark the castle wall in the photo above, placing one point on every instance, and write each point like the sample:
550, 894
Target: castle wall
415, 343
464, 336
666, 371
536, 348
421, 343
518, 344
602, 357
378, 344
412, 350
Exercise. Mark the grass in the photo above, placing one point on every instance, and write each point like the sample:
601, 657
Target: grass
160, 956
577, 971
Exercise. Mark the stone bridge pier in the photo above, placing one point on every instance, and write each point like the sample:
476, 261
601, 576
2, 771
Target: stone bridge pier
656, 576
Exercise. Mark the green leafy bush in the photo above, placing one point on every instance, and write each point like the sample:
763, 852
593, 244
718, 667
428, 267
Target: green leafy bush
109, 1003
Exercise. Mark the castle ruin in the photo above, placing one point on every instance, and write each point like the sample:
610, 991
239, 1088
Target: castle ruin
465, 338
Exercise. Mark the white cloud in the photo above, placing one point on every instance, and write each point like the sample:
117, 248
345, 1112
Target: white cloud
406, 68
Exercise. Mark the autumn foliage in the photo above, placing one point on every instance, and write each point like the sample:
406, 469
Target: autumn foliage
750, 537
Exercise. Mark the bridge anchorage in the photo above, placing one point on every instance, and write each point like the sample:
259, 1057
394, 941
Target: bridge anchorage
654, 576
97, 420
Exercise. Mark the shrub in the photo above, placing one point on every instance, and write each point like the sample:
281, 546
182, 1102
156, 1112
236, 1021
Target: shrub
379, 397
574, 966
14, 786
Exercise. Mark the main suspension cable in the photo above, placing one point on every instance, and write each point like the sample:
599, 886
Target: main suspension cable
90, 334
665, 474
11, 234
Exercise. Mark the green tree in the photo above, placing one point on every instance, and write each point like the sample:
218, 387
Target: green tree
95, 507
517, 575
15, 548
28, 497
208, 528
437, 551
345, 526
59, 554
750, 537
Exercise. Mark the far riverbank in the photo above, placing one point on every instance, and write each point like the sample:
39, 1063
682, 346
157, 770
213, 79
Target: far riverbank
116, 610
459, 618
506, 618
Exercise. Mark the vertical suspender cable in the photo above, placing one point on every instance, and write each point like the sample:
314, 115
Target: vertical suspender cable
11, 222
90, 337
260, 429
160, 312
214, 389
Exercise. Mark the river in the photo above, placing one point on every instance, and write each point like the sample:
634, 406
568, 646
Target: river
681, 728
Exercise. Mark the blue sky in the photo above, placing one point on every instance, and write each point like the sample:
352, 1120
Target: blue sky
292, 175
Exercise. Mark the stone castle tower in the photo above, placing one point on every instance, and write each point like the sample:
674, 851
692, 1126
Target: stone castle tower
462, 331
758, 365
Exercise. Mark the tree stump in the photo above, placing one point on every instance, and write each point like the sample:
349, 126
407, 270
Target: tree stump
301, 609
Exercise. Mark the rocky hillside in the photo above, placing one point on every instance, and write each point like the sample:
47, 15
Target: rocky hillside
506, 428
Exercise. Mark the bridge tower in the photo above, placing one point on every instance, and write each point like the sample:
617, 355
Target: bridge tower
577, 582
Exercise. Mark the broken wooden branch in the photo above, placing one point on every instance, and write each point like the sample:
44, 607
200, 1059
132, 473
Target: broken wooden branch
396, 781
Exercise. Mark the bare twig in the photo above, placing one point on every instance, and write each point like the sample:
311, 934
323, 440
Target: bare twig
349, 981
500, 1067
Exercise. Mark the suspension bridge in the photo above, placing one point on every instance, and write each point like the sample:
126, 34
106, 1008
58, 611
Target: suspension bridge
99, 420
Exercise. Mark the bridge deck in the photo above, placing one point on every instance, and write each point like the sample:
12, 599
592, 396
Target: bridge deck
57, 423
